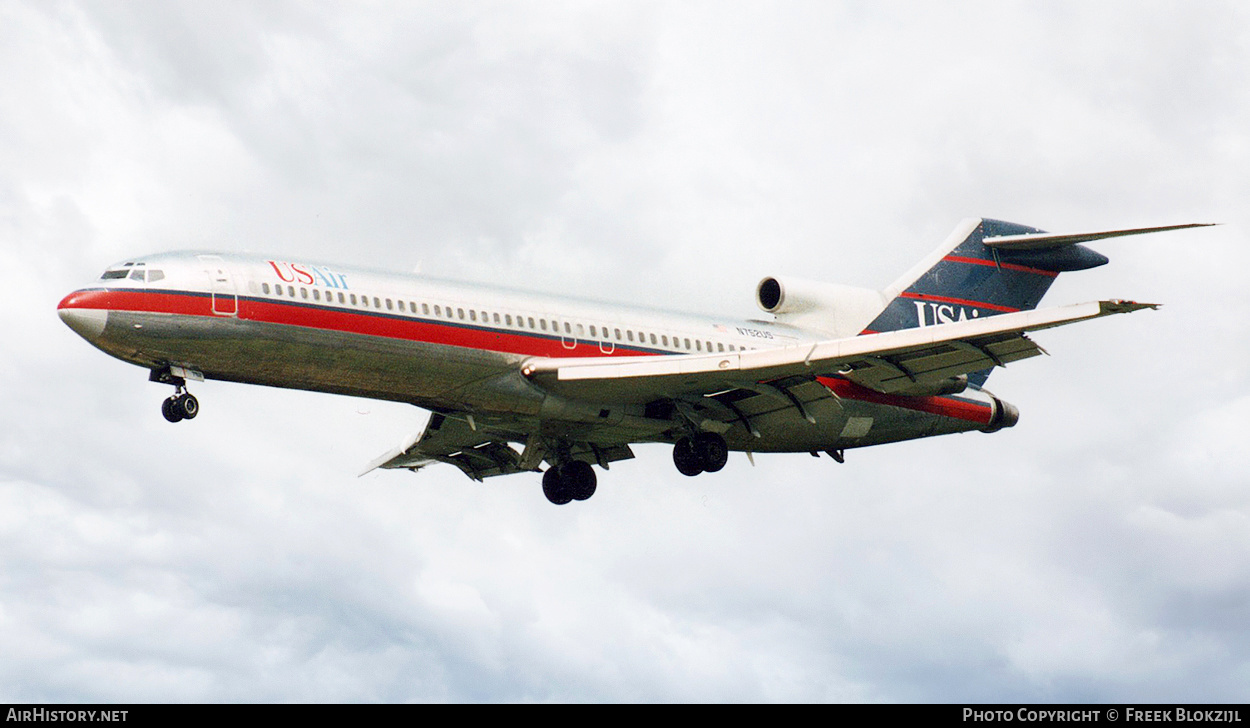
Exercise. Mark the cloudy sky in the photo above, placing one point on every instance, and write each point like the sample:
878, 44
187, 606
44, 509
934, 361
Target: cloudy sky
668, 152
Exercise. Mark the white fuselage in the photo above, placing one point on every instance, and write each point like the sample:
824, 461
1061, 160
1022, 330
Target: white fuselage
446, 346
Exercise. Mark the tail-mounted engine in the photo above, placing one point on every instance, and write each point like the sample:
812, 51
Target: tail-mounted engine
829, 307
1004, 414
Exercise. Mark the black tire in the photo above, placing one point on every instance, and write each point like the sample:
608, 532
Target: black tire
171, 410
579, 478
189, 405
555, 488
713, 452
686, 457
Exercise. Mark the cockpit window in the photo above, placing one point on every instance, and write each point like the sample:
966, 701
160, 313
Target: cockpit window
111, 274
137, 274
155, 275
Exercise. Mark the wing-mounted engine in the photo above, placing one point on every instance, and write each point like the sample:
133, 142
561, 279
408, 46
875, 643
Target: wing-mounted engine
837, 310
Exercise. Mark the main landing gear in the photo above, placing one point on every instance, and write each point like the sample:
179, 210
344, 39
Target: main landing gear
569, 481
706, 452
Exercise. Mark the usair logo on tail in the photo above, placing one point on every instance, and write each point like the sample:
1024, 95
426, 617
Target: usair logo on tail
930, 313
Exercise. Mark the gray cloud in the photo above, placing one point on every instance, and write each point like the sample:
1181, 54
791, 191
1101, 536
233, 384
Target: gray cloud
658, 152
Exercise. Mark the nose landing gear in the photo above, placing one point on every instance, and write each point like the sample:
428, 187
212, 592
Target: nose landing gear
181, 405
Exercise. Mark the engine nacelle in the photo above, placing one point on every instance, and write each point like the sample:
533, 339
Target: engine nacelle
837, 309
1004, 414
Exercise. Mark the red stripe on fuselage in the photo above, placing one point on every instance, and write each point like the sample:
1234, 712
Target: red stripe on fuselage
957, 301
1006, 266
369, 323
946, 406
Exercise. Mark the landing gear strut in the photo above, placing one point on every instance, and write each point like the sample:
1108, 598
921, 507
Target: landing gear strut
569, 481
706, 452
181, 405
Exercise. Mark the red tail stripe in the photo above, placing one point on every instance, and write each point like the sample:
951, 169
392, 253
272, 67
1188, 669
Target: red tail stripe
957, 301
1008, 266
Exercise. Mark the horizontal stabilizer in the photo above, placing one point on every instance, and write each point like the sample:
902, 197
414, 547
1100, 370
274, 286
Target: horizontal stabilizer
1038, 241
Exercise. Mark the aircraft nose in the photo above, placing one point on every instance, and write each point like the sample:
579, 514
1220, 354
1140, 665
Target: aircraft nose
86, 322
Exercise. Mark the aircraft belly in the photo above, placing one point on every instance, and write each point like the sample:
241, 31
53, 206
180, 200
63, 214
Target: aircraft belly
840, 424
298, 357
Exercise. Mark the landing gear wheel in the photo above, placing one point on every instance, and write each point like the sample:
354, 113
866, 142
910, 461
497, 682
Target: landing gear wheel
686, 457
554, 487
712, 450
573, 480
188, 405
171, 410
579, 478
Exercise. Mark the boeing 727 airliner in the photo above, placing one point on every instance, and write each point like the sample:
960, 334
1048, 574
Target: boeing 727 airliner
515, 380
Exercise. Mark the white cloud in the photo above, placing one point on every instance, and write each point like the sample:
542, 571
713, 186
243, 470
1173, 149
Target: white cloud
669, 153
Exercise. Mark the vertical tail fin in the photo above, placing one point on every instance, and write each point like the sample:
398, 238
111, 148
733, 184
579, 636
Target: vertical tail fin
966, 278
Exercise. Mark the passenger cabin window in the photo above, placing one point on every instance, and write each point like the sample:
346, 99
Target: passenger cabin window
265, 287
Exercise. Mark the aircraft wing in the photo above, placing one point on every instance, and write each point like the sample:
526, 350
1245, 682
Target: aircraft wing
454, 441
890, 362
482, 450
